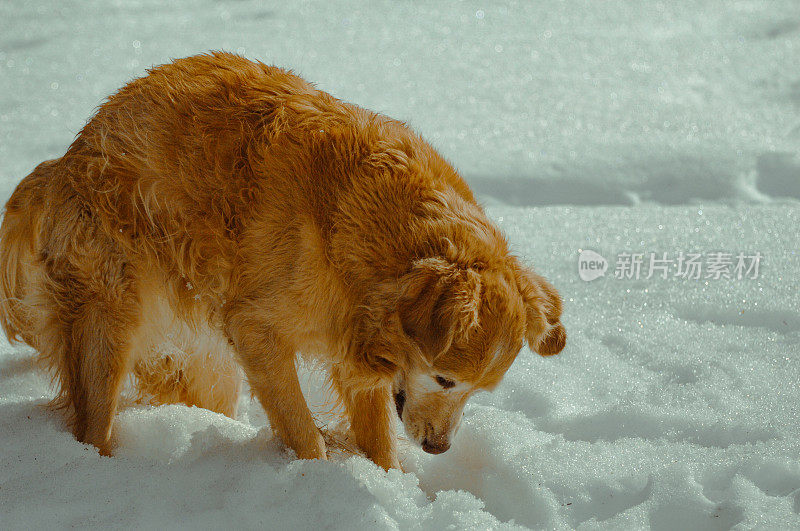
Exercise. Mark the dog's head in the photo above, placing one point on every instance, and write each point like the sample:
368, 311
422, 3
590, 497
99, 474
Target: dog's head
452, 331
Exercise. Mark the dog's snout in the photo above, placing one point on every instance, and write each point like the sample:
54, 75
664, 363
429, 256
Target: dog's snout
436, 445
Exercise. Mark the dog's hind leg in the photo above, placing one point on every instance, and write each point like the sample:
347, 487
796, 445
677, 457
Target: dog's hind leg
214, 385
177, 377
99, 334
94, 307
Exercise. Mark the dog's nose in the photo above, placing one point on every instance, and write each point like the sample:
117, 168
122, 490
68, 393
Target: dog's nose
436, 445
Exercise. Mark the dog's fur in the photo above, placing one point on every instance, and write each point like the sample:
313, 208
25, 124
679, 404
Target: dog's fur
220, 213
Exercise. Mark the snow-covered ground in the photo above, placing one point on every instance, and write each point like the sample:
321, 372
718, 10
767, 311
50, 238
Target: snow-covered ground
619, 127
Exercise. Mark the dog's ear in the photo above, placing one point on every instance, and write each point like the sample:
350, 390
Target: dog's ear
438, 301
544, 332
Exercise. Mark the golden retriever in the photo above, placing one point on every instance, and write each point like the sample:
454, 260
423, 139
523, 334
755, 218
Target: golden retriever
219, 213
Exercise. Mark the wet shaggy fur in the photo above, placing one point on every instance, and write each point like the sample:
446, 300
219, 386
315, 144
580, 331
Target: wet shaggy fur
220, 216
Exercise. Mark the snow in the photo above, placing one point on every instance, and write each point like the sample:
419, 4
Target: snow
614, 127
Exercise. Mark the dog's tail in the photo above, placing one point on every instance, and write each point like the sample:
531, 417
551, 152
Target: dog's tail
19, 243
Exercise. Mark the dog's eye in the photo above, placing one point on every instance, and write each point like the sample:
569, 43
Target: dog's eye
444, 382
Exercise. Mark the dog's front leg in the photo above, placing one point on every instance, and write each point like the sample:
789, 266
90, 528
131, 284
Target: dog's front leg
269, 364
371, 420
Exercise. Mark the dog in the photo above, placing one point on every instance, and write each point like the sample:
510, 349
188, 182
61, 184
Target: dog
218, 216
